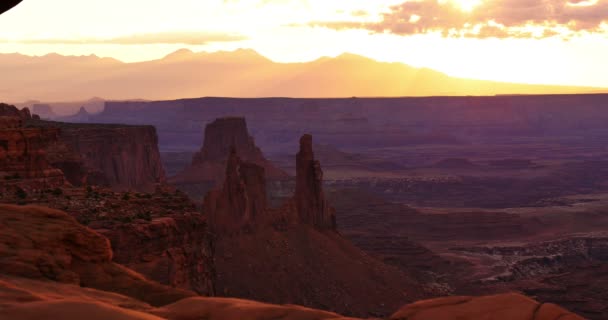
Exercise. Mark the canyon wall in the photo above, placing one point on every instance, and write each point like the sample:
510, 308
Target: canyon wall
23, 159
123, 157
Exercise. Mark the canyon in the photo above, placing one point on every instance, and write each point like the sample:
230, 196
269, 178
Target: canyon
403, 208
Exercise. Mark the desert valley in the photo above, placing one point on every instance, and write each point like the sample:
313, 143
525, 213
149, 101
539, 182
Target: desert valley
303, 160
390, 201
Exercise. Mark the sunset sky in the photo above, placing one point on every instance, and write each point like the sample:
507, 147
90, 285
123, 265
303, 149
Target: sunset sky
527, 41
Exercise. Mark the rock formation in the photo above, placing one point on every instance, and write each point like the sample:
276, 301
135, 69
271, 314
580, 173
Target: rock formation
45, 244
208, 164
174, 250
22, 151
509, 306
7, 110
309, 198
160, 235
242, 200
119, 156
264, 253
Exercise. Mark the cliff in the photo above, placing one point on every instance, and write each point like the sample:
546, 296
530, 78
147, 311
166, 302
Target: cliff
23, 159
220, 135
119, 156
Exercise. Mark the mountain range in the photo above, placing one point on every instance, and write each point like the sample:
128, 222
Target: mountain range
240, 73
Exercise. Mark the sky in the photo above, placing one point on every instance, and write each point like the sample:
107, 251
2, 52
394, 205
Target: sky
526, 41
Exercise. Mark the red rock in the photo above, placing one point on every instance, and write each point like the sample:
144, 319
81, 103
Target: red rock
207, 165
310, 201
22, 151
120, 156
175, 250
242, 201
264, 253
42, 243
7, 110
509, 306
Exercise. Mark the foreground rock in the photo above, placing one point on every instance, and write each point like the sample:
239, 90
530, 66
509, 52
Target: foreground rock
160, 235
22, 299
499, 307
51, 265
45, 244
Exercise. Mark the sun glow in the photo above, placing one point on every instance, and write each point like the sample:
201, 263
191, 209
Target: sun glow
467, 5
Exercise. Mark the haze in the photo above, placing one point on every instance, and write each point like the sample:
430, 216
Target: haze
553, 42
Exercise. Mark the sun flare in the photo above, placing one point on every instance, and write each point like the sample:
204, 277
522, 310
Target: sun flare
467, 5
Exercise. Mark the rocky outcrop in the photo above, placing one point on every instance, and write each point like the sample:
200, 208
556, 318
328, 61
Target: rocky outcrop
509, 306
242, 200
174, 250
160, 235
207, 165
263, 253
122, 157
28, 299
23, 158
7, 110
45, 244
310, 201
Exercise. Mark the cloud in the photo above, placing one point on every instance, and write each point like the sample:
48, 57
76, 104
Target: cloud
186, 38
488, 18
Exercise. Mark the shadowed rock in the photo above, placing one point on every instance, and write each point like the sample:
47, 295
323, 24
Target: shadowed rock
241, 201
220, 135
310, 201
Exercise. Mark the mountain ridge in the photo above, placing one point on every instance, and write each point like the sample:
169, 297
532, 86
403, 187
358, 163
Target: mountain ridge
240, 73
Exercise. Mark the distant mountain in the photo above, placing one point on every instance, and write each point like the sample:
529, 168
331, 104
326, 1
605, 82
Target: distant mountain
240, 73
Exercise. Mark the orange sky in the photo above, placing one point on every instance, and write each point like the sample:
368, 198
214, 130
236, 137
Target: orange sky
527, 41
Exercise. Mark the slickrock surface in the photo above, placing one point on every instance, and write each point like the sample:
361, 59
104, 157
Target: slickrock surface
42, 243
160, 235
499, 307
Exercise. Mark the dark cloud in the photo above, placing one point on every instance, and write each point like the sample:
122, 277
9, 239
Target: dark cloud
187, 38
490, 18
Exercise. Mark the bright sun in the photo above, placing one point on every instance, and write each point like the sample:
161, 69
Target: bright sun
467, 5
